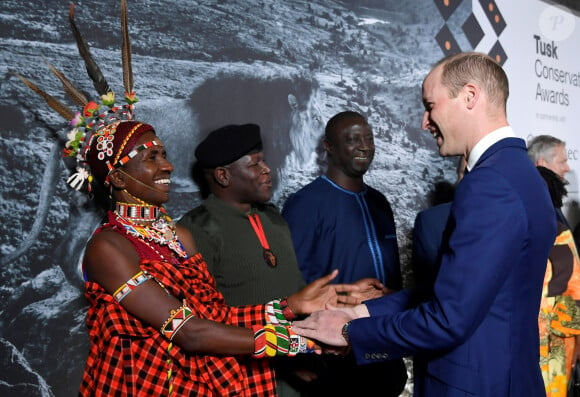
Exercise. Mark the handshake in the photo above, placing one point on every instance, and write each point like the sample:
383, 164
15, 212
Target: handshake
330, 308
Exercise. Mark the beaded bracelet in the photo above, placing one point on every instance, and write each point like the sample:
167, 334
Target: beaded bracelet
271, 340
130, 285
278, 340
286, 311
278, 312
274, 313
259, 341
300, 344
177, 319
283, 339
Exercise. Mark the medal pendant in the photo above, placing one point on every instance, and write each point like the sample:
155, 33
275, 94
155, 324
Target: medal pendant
270, 258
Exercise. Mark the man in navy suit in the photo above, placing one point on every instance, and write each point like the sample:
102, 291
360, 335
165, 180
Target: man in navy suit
480, 327
429, 233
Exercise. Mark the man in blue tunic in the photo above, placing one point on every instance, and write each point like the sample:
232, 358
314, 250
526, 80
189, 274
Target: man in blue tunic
338, 221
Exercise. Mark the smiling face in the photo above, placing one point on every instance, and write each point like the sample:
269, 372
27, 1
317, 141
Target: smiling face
350, 147
442, 115
249, 180
147, 176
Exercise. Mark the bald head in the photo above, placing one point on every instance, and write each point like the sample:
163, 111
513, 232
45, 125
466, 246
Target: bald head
350, 146
340, 121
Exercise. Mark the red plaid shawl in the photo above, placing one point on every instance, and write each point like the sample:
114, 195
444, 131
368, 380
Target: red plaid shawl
130, 358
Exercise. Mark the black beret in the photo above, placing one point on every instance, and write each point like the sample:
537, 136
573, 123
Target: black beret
227, 144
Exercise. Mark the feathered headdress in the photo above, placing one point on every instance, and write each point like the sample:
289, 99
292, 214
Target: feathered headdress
89, 123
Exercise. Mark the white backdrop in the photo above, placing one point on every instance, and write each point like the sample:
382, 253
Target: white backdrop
542, 43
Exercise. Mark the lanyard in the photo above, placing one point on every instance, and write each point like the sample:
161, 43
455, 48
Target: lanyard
256, 223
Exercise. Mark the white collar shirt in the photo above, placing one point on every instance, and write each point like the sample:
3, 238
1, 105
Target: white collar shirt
486, 142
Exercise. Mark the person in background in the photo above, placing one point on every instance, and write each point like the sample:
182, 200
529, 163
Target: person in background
431, 232
242, 236
550, 152
338, 211
559, 318
339, 221
480, 327
429, 235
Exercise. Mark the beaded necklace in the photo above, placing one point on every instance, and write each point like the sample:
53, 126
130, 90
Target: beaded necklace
139, 212
161, 231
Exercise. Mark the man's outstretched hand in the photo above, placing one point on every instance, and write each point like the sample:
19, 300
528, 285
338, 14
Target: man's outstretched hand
326, 326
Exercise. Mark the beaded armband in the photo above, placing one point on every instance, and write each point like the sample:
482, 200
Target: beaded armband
278, 340
278, 312
177, 319
130, 285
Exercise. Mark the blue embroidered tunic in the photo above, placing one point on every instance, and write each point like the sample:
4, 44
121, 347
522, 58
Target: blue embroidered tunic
336, 228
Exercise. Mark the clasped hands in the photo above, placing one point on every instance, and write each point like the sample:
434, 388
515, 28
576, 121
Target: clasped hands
332, 305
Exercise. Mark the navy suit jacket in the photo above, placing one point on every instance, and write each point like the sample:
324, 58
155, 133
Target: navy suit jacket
429, 235
480, 328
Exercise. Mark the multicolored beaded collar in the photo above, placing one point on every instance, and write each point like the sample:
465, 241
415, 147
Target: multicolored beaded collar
161, 231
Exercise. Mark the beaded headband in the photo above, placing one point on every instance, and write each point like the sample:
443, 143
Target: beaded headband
96, 120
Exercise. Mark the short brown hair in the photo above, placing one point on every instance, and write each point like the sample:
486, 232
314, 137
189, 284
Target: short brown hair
463, 68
